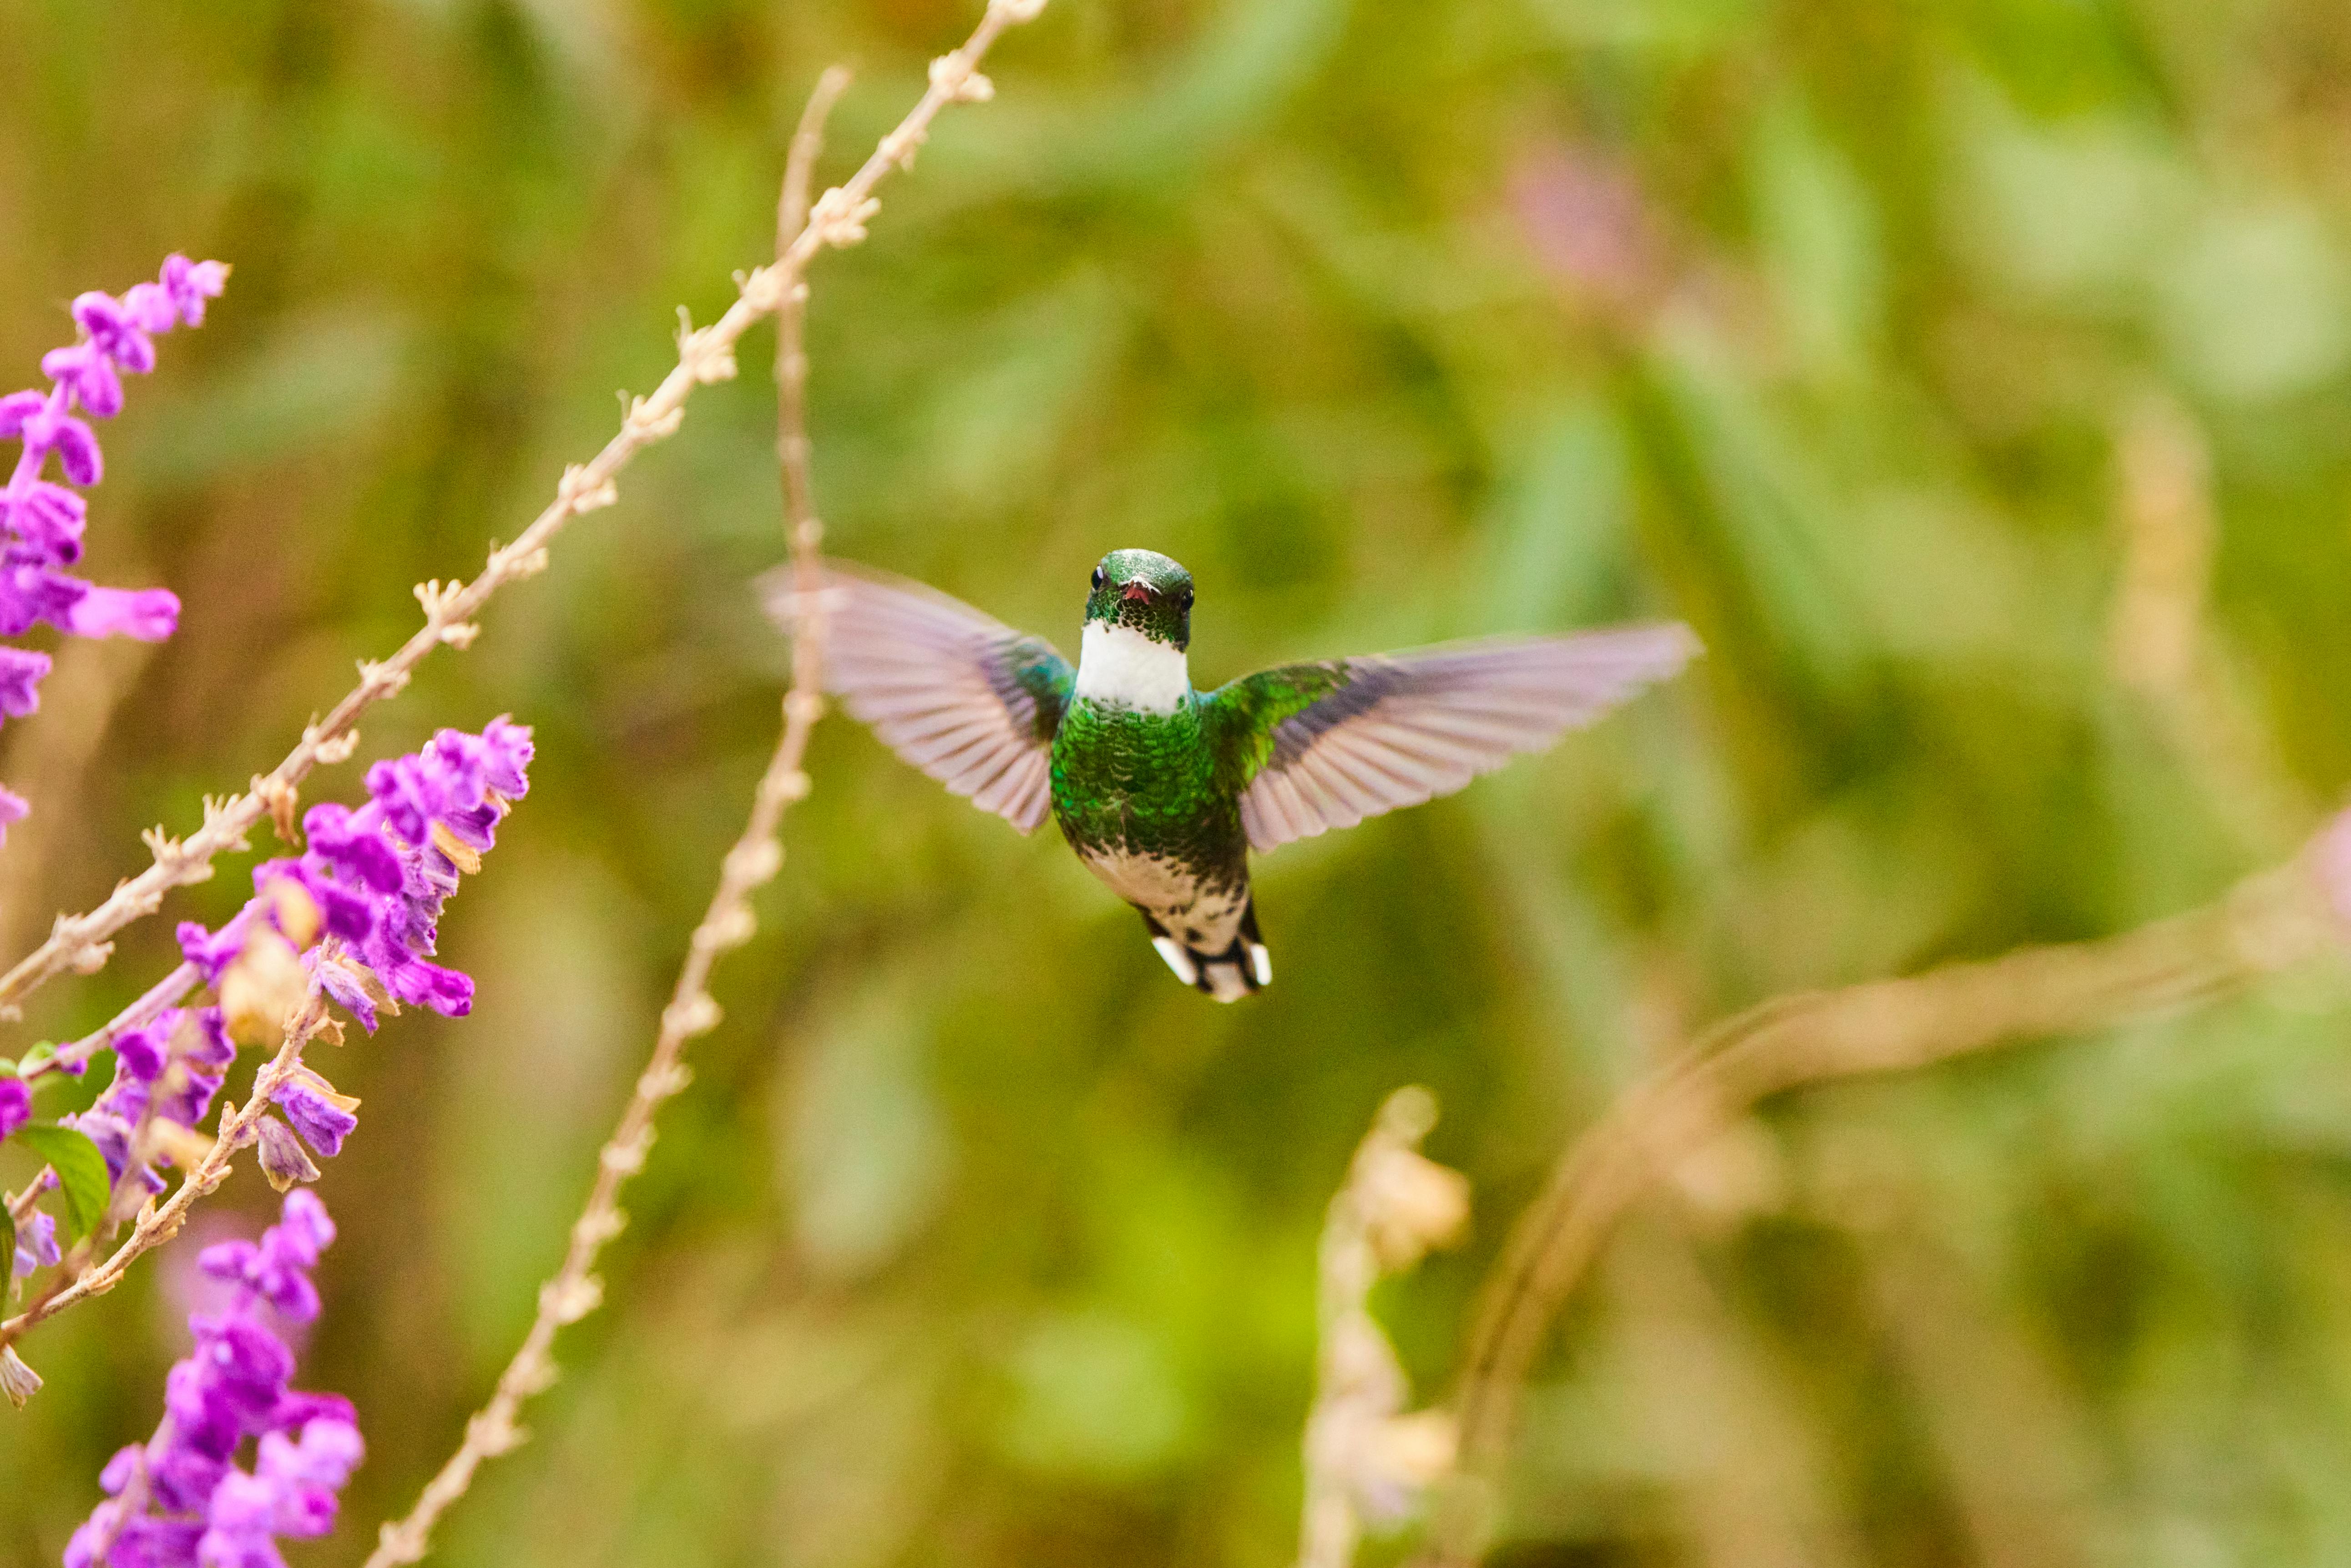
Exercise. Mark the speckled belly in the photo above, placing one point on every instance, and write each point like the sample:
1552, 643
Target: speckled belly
1200, 915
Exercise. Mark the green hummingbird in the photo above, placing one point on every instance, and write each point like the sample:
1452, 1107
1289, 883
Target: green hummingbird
1161, 790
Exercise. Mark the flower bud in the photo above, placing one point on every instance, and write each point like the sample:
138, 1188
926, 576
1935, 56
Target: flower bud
283, 1159
1409, 1204
18, 1380
262, 988
295, 911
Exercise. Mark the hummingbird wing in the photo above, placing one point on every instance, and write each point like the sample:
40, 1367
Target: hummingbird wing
1310, 747
961, 695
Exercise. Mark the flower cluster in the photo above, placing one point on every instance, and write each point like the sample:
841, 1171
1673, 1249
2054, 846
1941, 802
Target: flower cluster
376, 878
165, 1075
180, 1500
41, 521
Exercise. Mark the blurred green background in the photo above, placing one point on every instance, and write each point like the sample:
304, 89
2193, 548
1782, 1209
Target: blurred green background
1942, 362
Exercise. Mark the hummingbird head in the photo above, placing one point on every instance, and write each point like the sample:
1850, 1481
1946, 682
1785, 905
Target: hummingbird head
1144, 591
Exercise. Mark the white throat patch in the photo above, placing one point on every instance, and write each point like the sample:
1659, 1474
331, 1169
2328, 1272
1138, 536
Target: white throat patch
1120, 666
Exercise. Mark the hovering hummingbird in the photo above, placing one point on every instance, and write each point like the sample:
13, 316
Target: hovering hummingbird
1163, 790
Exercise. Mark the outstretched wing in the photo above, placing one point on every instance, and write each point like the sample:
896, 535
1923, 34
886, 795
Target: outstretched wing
961, 695
1315, 746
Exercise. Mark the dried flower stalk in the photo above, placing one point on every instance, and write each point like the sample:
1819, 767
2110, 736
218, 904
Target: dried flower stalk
838, 217
1366, 1460
2268, 923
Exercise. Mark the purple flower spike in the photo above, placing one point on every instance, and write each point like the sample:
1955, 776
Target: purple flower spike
180, 1500
15, 1105
379, 877
40, 521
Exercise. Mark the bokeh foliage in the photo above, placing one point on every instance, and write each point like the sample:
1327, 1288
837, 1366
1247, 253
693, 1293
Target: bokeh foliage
977, 1241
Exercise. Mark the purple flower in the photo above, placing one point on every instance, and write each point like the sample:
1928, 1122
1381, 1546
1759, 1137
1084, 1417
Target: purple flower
44, 427
203, 1052
37, 1244
15, 1105
191, 283
291, 1492
31, 593
41, 522
171, 1068
110, 329
106, 1126
354, 848
139, 1052
85, 371
180, 1500
508, 751
47, 521
212, 952
149, 614
344, 989
322, 1123
277, 1267
21, 670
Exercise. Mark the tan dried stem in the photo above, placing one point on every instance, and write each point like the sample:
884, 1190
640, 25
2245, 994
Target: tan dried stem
1364, 1456
158, 1223
837, 218
2162, 646
574, 1290
2267, 924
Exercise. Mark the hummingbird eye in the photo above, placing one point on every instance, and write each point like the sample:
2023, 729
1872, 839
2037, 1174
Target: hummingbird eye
1098, 579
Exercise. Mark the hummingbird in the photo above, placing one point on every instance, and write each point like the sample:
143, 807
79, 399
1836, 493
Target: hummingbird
1164, 791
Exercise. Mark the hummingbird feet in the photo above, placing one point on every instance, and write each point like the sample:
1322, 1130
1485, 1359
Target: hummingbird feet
1240, 968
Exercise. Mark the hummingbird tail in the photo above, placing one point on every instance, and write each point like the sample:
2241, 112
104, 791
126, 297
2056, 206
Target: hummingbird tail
1242, 968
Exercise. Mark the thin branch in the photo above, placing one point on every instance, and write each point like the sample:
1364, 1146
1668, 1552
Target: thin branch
805, 532
838, 218
160, 1222
575, 1290
2267, 924
167, 992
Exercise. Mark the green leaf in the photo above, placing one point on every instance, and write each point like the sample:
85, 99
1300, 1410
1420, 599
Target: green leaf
7, 1068
42, 1052
81, 1172
7, 1247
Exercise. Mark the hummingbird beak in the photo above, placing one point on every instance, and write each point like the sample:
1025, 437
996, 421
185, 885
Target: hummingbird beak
1137, 590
